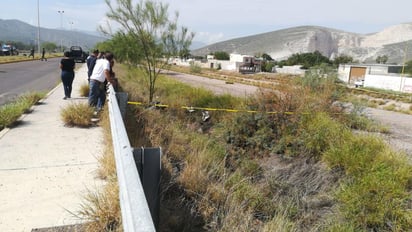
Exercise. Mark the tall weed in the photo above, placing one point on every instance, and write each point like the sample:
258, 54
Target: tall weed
376, 193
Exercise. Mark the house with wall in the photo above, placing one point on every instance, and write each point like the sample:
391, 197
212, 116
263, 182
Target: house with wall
381, 76
250, 64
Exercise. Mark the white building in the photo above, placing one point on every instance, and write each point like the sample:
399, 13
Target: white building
378, 76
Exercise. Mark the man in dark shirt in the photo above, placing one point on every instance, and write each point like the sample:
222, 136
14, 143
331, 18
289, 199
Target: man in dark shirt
43, 55
91, 61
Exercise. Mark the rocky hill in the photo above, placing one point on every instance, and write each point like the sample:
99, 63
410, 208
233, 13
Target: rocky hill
392, 42
15, 30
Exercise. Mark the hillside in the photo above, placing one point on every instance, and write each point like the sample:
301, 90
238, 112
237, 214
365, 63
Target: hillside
392, 41
16, 30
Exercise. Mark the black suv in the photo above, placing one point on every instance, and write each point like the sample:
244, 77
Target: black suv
77, 54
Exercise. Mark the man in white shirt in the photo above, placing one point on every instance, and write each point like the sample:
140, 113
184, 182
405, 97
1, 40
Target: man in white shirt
97, 86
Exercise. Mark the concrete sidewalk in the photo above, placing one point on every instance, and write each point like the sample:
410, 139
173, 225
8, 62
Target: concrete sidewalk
45, 167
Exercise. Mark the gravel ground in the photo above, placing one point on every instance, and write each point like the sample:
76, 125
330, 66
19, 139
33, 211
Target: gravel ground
400, 127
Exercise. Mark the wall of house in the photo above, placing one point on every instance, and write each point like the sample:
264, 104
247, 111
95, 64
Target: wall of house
344, 72
295, 69
395, 83
236, 57
380, 78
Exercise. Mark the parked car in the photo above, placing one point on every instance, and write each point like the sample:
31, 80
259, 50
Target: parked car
77, 54
9, 50
359, 83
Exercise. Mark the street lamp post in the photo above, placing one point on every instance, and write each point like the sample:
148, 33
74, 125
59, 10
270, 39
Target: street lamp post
61, 26
61, 18
71, 29
38, 26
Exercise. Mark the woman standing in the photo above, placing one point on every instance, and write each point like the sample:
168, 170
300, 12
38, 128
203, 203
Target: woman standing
67, 66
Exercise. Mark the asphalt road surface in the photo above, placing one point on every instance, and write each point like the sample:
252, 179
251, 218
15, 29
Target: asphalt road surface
19, 78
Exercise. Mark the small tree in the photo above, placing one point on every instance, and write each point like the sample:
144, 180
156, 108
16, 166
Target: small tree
342, 59
221, 55
408, 67
156, 38
267, 57
49, 46
382, 59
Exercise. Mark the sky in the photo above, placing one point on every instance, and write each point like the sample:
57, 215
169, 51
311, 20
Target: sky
220, 20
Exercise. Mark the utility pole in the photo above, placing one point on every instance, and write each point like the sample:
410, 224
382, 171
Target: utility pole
38, 27
71, 29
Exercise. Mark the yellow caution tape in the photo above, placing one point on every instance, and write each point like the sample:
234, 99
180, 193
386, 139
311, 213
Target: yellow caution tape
217, 109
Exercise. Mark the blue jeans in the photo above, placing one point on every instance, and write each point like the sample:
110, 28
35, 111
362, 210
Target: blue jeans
67, 79
97, 94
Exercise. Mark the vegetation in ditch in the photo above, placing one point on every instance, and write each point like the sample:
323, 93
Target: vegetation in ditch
292, 165
274, 171
11, 112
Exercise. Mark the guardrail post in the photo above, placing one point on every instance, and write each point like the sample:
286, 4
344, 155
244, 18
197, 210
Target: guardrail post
148, 163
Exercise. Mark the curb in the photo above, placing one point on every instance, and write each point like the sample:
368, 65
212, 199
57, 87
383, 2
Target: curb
7, 129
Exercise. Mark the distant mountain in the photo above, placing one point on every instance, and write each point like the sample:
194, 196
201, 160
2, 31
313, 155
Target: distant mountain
197, 45
16, 30
394, 42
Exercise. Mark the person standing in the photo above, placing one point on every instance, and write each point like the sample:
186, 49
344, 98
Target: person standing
67, 75
91, 62
32, 52
43, 53
101, 73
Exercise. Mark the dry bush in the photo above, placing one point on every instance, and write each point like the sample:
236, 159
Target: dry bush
194, 177
84, 90
280, 223
77, 114
101, 209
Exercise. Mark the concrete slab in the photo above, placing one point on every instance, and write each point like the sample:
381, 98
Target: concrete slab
46, 168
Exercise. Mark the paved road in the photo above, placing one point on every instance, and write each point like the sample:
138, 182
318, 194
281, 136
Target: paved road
29, 76
400, 126
217, 86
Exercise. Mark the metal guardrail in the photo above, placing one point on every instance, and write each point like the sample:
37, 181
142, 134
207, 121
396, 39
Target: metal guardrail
134, 207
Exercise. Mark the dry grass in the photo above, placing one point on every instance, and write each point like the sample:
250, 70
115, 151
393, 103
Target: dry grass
257, 172
77, 114
101, 207
8, 59
84, 90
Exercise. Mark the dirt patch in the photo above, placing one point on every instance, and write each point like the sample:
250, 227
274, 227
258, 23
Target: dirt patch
305, 184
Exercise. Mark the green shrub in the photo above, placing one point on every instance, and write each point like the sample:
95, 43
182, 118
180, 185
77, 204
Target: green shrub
195, 68
11, 112
355, 154
376, 192
321, 132
377, 199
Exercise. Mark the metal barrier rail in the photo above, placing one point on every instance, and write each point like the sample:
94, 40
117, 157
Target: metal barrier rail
134, 208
